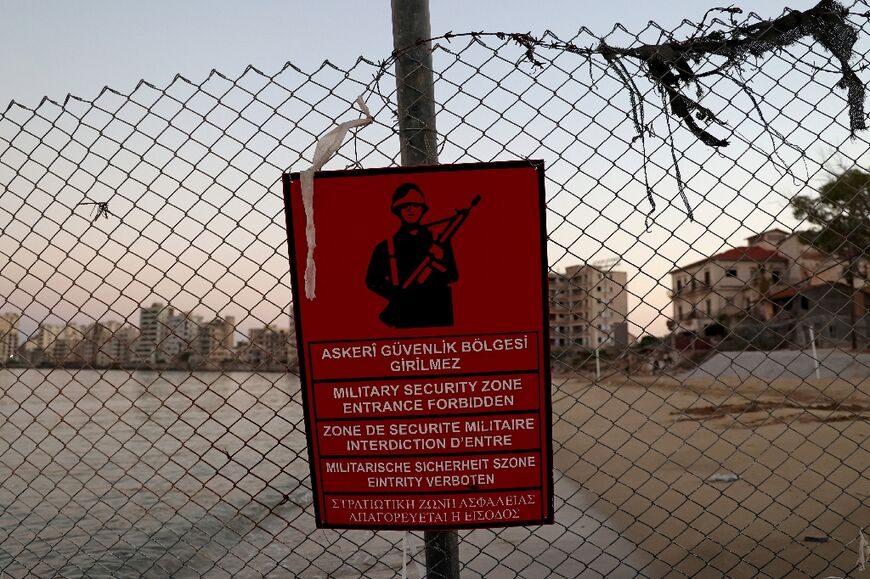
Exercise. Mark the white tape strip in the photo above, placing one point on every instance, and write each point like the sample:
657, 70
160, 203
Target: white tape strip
863, 551
405, 555
326, 147
409, 552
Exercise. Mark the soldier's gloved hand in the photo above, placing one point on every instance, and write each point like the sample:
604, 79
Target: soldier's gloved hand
436, 251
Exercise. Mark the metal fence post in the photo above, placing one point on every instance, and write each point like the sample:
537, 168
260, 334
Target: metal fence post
414, 82
416, 101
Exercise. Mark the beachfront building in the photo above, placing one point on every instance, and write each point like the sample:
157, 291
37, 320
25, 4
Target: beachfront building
58, 345
45, 336
96, 336
118, 350
588, 308
106, 344
739, 284
38, 347
8, 336
102, 344
181, 341
268, 348
214, 342
154, 329
65, 347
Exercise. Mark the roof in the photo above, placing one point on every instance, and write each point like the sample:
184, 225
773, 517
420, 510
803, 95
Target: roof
752, 253
763, 233
807, 288
786, 293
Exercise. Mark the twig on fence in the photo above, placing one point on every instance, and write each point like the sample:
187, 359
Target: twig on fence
681, 187
637, 118
102, 208
730, 10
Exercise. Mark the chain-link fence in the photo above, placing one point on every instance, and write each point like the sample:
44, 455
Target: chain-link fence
709, 307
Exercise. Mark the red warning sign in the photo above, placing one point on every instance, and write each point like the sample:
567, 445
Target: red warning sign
424, 349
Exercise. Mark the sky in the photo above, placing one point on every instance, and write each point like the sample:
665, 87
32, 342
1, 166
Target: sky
54, 48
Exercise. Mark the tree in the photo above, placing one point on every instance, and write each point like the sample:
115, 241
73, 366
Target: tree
841, 214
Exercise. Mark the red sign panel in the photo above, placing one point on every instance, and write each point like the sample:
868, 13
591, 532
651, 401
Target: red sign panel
424, 351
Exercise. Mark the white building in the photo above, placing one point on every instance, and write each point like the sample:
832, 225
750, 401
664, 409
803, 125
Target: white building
56, 345
181, 339
154, 329
107, 344
215, 342
740, 281
8, 336
588, 308
118, 350
44, 338
269, 348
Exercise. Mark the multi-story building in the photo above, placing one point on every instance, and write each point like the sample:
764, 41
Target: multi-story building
268, 348
740, 282
588, 308
181, 340
8, 336
725, 285
106, 344
66, 346
95, 337
45, 337
38, 347
214, 343
154, 329
118, 350
54, 345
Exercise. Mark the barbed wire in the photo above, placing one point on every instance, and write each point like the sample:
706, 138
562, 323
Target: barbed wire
668, 67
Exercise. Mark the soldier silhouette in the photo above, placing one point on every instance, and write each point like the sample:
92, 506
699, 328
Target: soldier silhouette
412, 269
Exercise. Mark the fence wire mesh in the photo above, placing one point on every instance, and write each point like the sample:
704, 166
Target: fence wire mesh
711, 369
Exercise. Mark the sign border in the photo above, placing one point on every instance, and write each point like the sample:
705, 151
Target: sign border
546, 383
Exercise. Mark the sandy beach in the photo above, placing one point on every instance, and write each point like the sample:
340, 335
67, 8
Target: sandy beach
642, 450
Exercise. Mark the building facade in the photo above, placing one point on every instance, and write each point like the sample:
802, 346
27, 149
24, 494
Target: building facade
38, 347
118, 352
736, 287
45, 337
55, 345
588, 308
154, 330
107, 344
268, 348
826, 314
8, 337
180, 344
215, 344
96, 336
726, 285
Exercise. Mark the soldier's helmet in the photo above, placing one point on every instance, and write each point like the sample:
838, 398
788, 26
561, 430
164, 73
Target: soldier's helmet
408, 194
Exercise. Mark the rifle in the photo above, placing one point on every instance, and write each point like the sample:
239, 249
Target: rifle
453, 224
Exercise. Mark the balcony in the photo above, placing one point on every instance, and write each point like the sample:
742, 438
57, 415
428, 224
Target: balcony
690, 289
